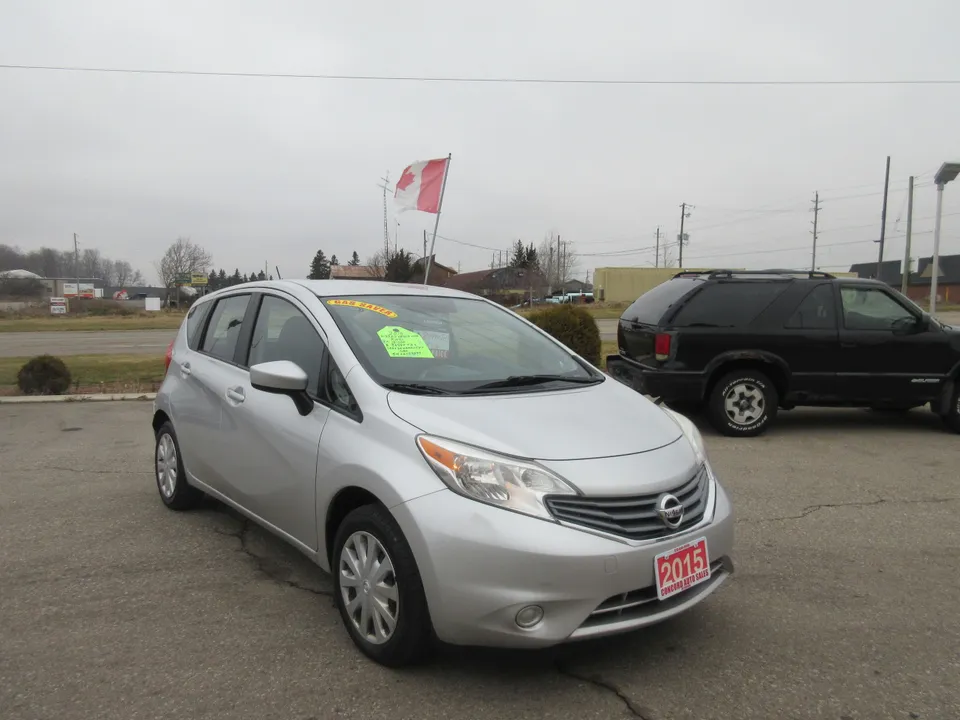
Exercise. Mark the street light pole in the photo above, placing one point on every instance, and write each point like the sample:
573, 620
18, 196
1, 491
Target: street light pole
947, 172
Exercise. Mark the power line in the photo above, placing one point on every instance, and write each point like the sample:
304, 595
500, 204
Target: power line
461, 79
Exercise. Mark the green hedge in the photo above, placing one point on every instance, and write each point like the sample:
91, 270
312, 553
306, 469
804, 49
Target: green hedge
572, 325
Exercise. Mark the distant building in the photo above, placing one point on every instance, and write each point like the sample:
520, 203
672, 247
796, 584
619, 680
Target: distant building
918, 283
499, 283
354, 272
439, 274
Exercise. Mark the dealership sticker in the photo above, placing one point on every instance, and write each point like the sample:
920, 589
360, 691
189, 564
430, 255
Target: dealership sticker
402, 343
363, 306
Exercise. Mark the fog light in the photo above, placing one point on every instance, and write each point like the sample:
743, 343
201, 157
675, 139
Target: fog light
529, 616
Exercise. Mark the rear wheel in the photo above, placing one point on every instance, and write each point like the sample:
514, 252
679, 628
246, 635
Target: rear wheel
378, 590
743, 403
175, 492
952, 417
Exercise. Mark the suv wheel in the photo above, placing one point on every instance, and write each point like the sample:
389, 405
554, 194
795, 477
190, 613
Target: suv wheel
171, 479
743, 403
952, 418
378, 590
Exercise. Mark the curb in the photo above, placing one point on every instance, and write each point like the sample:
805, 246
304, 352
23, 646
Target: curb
29, 399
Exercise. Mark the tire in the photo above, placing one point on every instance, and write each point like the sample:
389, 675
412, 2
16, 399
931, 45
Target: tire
952, 417
412, 639
171, 479
756, 388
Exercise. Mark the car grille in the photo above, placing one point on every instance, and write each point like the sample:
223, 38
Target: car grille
633, 516
633, 604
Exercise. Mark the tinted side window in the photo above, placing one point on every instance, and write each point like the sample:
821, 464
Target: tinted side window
727, 304
198, 313
869, 308
816, 311
653, 304
224, 328
283, 332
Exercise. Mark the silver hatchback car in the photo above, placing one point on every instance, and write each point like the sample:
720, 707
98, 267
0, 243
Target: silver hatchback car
461, 474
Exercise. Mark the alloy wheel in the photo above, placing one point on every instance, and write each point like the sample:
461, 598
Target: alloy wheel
368, 585
744, 403
166, 465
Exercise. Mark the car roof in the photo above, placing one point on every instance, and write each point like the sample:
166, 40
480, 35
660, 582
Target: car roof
349, 288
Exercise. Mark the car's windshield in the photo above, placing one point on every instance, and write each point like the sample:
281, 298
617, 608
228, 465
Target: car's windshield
432, 345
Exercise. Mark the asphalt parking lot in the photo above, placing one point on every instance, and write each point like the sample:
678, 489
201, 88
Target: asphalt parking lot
844, 604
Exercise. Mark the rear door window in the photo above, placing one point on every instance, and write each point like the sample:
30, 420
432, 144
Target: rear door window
653, 304
816, 311
726, 304
224, 328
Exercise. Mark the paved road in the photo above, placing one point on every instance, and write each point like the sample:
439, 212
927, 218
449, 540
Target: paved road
843, 605
83, 342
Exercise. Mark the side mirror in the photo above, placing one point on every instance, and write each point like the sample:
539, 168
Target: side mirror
282, 377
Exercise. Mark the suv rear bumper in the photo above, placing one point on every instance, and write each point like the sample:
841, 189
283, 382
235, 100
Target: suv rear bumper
664, 384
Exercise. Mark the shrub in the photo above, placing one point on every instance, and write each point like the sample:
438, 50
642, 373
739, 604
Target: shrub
572, 325
43, 375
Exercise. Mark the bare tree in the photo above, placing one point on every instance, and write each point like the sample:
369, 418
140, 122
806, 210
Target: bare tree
558, 261
378, 265
183, 257
122, 273
668, 254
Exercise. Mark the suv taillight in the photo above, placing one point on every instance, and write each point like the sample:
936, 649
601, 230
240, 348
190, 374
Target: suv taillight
168, 357
661, 346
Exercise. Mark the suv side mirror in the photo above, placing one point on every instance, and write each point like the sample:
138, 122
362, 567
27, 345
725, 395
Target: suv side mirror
282, 377
911, 326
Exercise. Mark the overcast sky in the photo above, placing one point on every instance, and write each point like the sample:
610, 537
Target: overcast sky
267, 170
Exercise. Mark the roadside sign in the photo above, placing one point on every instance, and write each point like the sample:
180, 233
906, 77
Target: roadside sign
58, 306
198, 279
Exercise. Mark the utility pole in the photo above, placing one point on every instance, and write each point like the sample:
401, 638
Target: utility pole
883, 218
76, 265
905, 271
424, 245
386, 231
559, 265
816, 215
683, 215
656, 260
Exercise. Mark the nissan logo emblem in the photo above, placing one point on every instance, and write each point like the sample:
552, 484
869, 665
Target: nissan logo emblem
670, 511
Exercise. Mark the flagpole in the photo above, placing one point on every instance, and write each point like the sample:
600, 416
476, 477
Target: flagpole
436, 224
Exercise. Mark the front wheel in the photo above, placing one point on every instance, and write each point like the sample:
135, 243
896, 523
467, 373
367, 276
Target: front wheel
952, 417
378, 590
743, 404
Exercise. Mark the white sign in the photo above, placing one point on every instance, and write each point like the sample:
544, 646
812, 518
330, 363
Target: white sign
58, 306
152, 304
86, 290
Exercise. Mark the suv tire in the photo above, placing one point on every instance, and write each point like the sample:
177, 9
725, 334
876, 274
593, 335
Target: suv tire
743, 403
175, 492
367, 529
952, 417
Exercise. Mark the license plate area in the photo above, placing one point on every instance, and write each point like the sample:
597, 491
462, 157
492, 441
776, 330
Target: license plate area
681, 568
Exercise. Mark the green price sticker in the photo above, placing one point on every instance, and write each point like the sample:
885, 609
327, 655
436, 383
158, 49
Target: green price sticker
402, 343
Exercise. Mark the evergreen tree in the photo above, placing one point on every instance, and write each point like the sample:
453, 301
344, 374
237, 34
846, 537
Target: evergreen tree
221, 279
235, 279
320, 267
354, 259
399, 267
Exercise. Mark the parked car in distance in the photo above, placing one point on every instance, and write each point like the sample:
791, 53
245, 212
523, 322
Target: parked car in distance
742, 345
413, 441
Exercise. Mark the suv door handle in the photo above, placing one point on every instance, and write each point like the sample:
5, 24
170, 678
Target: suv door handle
236, 395
185, 369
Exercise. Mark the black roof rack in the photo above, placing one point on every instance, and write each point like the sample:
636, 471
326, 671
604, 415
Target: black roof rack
719, 273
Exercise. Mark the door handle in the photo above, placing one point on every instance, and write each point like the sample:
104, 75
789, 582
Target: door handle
185, 369
236, 395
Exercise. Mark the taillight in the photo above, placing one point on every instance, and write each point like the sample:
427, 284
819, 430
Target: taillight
168, 357
661, 346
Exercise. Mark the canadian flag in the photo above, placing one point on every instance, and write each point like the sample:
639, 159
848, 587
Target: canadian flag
420, 186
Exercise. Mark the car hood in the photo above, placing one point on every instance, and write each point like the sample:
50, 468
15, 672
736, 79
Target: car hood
602, 420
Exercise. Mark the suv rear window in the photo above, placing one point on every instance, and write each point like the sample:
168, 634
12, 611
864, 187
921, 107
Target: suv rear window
728, 304
653, 304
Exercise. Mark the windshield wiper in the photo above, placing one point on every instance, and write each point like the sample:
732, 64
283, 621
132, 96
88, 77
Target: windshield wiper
416, 388
524, 380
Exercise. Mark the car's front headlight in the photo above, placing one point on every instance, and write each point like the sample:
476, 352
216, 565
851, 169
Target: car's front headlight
690, 432
491, 478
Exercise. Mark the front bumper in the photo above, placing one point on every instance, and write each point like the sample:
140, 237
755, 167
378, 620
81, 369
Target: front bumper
480, 565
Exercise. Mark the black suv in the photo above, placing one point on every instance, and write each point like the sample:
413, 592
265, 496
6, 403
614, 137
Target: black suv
741, 345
